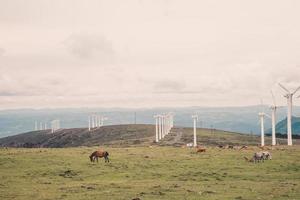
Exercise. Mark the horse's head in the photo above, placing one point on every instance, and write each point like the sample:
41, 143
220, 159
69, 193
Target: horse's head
106, 154
91, 158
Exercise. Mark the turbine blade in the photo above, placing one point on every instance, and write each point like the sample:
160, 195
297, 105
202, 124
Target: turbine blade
273, 97
284, 88
261, 105
267, 115
296, 90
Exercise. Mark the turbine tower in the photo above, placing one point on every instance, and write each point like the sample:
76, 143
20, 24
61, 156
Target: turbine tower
273, 109
89, 123
262, 128
289, 97
262, 115
156, 128
195, 118
160, 127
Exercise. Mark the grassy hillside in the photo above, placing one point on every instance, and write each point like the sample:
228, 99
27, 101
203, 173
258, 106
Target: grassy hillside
121, 135
215, 137
148, 173
130, 135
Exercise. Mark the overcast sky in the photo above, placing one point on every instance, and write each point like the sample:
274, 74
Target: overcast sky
143, 53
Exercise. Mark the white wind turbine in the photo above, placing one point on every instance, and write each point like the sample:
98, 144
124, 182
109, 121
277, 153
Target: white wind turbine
262, 115
156, 128
262, 127
289, 97
195, 119
273, 109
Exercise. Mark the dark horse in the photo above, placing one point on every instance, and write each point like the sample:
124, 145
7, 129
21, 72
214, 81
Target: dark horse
99, 154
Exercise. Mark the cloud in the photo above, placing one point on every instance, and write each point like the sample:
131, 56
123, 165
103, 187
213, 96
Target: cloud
90, 46
169, 86
2, 51
212, 56
26, 85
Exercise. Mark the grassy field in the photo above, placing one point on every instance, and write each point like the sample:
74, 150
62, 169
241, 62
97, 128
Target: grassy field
148, 173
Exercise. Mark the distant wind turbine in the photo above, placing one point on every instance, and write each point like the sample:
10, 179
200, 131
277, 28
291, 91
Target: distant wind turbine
195, 118
262, 127
262, 115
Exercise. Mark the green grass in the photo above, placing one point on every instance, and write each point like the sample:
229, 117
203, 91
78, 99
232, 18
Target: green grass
147, 173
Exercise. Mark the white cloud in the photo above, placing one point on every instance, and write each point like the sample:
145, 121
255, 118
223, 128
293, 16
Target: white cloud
147, 54
90, 46
2, 51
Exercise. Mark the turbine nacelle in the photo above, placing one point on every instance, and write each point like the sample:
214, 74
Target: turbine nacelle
261, 114
195, 117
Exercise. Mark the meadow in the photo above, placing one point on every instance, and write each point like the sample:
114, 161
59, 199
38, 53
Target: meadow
147, 173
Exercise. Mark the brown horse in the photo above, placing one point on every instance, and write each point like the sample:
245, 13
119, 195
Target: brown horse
201, 149
99, 154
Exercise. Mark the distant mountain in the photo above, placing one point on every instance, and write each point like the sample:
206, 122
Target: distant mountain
281, 126
235, 119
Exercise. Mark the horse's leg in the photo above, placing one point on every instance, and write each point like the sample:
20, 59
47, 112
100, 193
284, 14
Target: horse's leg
97, 159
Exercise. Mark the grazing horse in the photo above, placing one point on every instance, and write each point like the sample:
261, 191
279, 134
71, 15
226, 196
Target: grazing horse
257, 157
201, 149
266, 155
244, 147
99, 154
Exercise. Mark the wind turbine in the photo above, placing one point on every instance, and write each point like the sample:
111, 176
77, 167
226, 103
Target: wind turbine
156, 128
262, 127
195, 118
89, 123
273, 109
102, 119
289, 97
262, 115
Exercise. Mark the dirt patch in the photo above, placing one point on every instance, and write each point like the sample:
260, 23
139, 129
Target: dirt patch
68, 174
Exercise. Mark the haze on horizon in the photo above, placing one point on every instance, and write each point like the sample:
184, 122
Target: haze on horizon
147, 53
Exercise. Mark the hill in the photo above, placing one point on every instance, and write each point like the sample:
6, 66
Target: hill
106, 135
128, 135
281, 126
235, 119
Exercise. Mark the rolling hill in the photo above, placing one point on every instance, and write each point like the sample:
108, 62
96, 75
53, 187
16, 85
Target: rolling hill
128, 135
235, 119
106, 135
281, 126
